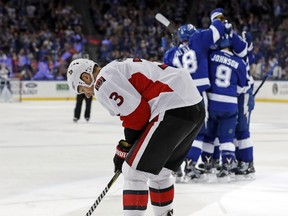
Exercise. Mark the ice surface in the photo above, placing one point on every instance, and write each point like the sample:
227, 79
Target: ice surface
50, 166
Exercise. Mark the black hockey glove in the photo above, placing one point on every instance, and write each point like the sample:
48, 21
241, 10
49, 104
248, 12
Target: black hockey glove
122, 150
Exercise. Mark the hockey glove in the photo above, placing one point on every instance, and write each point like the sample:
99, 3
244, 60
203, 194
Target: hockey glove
247, 36
122, 150
228, 28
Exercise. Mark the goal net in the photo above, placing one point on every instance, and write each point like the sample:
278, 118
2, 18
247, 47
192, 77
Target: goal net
10, 90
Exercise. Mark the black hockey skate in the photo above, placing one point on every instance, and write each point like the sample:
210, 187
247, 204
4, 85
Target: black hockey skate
170, 213
224, 175
191, 172
178, 175
245, 171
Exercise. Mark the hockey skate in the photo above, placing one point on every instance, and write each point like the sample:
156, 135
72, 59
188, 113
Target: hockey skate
209, 171
224, 175
245, 171
170, 213
191, 173
216, 165
178, 175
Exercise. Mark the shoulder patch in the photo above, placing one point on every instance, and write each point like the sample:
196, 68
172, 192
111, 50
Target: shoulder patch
99, 82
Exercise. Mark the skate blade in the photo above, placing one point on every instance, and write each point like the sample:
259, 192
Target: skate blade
248, 177
225, 179
209, 178
187, 179
178, 180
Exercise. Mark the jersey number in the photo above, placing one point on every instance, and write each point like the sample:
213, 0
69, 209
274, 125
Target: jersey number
223, 76
189, 61
118, 98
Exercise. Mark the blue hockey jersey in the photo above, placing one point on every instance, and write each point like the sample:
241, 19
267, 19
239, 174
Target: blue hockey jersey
239, 46
228, 77
194, 55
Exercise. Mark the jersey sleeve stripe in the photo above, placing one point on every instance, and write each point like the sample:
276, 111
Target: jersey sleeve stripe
138, 118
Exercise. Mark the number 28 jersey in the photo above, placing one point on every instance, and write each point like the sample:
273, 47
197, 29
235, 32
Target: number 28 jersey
138, 90
194, 55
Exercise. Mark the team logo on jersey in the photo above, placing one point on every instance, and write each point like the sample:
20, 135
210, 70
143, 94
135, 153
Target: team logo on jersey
99, 82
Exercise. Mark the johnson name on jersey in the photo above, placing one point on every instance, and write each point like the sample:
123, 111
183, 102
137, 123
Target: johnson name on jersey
227, 76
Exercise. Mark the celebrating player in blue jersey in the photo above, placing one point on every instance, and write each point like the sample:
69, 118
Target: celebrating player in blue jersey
227, 73
192, 54
240, 48
244, 145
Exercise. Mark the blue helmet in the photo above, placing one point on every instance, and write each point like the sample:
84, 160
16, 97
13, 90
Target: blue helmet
224, 41
185, 32
217, 13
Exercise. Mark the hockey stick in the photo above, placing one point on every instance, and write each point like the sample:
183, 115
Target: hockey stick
162, 19
265, 78
101, 196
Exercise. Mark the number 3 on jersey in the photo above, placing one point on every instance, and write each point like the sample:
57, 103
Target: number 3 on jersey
189, 61
118, 98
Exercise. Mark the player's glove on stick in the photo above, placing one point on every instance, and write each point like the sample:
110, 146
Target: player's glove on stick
122, 150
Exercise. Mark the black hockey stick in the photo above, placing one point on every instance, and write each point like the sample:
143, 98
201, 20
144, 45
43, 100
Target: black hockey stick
265, 78
162, 19
101, 196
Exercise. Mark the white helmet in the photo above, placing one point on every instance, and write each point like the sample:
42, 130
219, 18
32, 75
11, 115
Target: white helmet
74, 71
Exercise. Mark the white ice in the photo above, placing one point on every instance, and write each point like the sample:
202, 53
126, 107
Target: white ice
50, 166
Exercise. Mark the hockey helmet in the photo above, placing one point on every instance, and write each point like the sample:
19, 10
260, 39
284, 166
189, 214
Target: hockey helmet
224, 41
185, 32
74, 71
218, 13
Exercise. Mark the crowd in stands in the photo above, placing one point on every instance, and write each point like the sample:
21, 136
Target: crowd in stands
38, 38
137, 33
130, 29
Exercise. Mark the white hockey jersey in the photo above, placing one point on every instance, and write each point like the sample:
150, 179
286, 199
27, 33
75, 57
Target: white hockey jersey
138, 90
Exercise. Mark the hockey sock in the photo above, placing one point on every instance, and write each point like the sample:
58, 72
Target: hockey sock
162, 199
135, 202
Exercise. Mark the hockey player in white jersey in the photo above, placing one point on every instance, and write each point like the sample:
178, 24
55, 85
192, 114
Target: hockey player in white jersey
161, 111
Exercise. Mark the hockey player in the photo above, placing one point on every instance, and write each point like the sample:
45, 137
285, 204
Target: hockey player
227, 73
5, 85
244, 145
239, 48
192, 54
161, 112
78, 107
